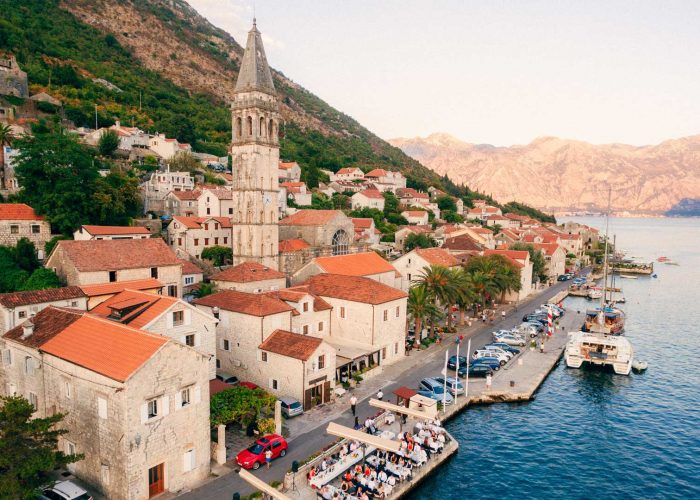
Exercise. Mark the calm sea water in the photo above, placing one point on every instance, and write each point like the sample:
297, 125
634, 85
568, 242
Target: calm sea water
594, 435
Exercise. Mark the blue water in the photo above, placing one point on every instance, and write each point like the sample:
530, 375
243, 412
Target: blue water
599, 435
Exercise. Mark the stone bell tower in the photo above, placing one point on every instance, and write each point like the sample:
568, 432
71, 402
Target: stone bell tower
255, 154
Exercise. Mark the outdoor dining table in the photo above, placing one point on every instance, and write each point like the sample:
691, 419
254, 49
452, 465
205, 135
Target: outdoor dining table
339, 467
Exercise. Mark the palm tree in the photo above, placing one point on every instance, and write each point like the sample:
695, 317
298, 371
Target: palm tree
421, 308
508, 279
467, 295
440, 283
6, 138
204, 289
484, 286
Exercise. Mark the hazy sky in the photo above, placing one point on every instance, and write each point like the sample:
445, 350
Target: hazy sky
494, 72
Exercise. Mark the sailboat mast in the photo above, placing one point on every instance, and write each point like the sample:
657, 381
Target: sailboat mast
601, 316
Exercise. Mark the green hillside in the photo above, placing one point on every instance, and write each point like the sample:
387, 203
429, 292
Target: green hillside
63, 55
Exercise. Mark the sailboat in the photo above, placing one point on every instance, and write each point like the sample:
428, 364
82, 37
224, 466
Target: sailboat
600, 342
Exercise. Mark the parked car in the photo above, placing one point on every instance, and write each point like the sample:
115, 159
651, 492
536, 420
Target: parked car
452, 362
529, 329
562, 277
437, 397
291, 407
498, 350
254, 456
539, 318
454, 386
510, 339
227, 378
480, 370
506, 347
249, 385
65, 490
484, 353
434, 387
493, 363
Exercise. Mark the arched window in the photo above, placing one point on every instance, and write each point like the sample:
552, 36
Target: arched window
262, 127
250, 125
270, 130
340, 242
239, 127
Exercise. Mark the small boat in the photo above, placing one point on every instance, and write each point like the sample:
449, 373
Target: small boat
595, 293
629, 277
639, 365
662, 259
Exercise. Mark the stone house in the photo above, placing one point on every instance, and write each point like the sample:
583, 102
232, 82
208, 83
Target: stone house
155, 190
386, 180
461, 244
215, 202
289, 171
191, 235
572, 243
17, 307
366, 230
482, 236
17, 221
293, 254
129, 137
349, 186
347, 174
409, 196
168, 316
111, 233
411, 264
555, 259
369, 198
139, 438
298, 192
321, 229
192, 276
368, 264
482, 212
368, 321
182, 203
167, 148
102, 261
97, 294
419, 217
250, 277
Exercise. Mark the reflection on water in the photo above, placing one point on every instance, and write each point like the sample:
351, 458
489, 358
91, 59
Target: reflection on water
591, 434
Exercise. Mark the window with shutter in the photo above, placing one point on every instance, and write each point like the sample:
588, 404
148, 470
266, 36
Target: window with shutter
102, 408
188, 461
6, 357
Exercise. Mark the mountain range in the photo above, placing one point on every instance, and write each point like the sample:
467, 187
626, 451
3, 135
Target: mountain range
561, 175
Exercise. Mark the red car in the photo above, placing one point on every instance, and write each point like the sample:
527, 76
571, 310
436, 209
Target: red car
254, 456
249, 385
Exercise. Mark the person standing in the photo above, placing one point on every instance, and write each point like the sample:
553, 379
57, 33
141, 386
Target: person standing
503, 315
353, 405
268, 457
488, 382
380, 395
542, 345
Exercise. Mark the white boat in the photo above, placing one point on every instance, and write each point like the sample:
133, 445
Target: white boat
585, 348
639, 366
595, 293
629, 277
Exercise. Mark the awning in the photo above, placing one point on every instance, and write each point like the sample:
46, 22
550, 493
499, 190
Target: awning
350, 351
261, 485
405, 392
346, 432
423, 413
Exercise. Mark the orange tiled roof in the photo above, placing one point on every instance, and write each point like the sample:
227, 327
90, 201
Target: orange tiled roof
352, 288
513, 254
362, 223
437, 256
463, 242
372, 193
142, 307
187, 195
190, 267
254, 304
221, 193
355, 264
570, 236
310, 218
110, 255
287, 165
18, 211
292, 345
118, 286
297, 294
292, 245
16, 299
547, 248
247, 272
196, 222
347, 170
415, 213
106, 230
377, 172
410, 193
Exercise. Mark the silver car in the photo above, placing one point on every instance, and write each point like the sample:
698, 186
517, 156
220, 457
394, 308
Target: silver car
291, 407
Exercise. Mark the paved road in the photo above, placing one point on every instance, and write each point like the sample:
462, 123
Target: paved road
315, 440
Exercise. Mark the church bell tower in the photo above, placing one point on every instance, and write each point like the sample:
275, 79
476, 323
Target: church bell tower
255, 154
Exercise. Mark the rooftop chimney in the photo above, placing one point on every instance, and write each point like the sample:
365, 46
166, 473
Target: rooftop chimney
27, 329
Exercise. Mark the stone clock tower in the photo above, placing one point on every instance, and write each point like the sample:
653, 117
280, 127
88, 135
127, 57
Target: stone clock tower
255, 155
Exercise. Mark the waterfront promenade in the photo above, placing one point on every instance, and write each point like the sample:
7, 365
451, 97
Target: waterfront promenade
307, 432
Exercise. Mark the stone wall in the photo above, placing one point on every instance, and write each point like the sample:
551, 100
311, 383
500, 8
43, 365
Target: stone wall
36, 231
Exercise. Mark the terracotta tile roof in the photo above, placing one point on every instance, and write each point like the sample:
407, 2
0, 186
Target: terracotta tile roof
310, 218
410, 193
253, 304
377, 172
118, 286
361, 223
372, 193
196, 222
287, 165
221, 193
353, 289
547, 248
419, 229
296, 294
111, 349
18, 211
292, 345
110, 255
187, 195
107, 230
190, 267
292, 245
463, 242
570, 236
348, 170
414, 213
496, 217
139, 308
16, 299
47, 323
355, 264
481, 230
437, 256
247, 272
292, 184
513, 254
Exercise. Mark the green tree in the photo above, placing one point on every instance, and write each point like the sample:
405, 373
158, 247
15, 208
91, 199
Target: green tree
6, 138
25, 255
108, 143
240, 404
320, 201
12, 277
204, 289
421, 308
418, 240
115, 200
446, 202
28, 448
539, 264
42, 279
441, 283
180, 127
451, 217
184, 161
219, 255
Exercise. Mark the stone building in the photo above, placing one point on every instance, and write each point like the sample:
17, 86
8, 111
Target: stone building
155, 190
249, 277
13, 81
368, 264
255, 158
189, 236
111, 233
412, 264
289, 171
182, 203
97, 262
17, 307
17, 221
369, 198
216, 202
97, 294
136, 404
168, 316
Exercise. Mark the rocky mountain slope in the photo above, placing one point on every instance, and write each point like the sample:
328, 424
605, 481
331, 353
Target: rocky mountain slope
563, 175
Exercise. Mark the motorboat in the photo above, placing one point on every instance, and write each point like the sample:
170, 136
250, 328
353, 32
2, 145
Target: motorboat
607, 320
639, 365
595, 293
594, 349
